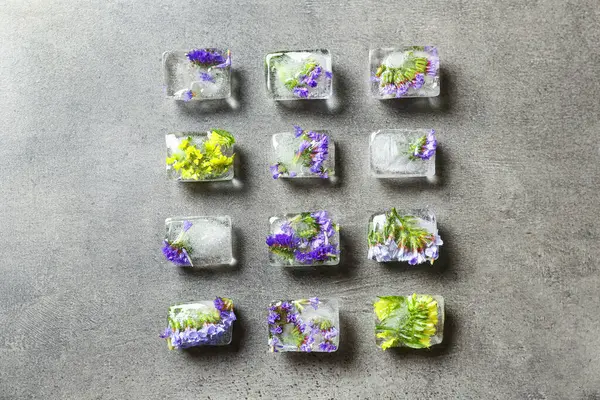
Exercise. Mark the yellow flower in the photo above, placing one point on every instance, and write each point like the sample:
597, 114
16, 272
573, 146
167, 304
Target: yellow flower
221, 161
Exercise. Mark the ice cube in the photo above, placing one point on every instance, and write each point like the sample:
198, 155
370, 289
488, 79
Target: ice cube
202, 323
298, 75
205, 241
305, 325
398, 326
392, 153
410, 71
289, 162
404, 235
198, 74
304, 239
189, 170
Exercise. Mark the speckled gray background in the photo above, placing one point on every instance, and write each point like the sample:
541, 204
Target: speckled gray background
83, 198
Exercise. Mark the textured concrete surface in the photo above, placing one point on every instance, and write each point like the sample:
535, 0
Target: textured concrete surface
84, 290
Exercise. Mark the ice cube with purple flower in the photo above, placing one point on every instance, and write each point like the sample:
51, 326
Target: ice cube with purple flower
299, 75
202, 323
403, 153
303, 239
197, 74
198, 241
401, 72
404, 236
303, 154
304, 325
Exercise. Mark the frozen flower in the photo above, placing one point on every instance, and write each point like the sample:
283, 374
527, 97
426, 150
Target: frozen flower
328, 74
432, 66
275, 170
227, 61
301, 92
219, 303
282, 239
314, 302
275, 344
205, 76
327, 346
402, 89
305, 348
389, 89
166, 333
205, 57
177, 255
273, 317
227, 317
330, 333
418, 82
187, 225
292, 318
187, 95
298, 131
277, 330
286, 306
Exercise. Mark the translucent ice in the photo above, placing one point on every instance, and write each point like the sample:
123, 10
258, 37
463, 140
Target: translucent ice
305, 325
206, 240
296, 75
296, 157
411, 71
391, 154
205, 77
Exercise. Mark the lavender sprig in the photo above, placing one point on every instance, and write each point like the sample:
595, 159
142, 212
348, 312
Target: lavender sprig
178, 251
307, 77
423, 148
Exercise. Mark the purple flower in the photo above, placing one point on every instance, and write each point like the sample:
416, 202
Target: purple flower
187, 225
330, 333
402, 89
275, 171
328, 74
301, 92
292, 318
327, 346
286, 306
314, 302
433, 65
273, 317
298, 131
316, 72
187, 95
277, 330
389, 89
227, 61
375, 79
311, 82
283, 239
205, 57
275, 344
427, 146
166, 333
178, 256
431, 50
219, 303
205, 76
305, 348
227, 318
418, 81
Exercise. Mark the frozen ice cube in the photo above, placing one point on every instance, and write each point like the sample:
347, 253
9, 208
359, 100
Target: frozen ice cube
312, 155
197, 74
404, 235
398, 153
410, 71
202, 323
304, 239
305, 325
407, 321
181, 162
203, 241
297, 75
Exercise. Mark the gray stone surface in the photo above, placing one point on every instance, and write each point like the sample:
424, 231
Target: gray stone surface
84, 291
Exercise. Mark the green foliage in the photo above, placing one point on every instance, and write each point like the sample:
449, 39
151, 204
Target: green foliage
283, 252
180, 319
410, 321
405, 73
305, 225
402, 229
206, 161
